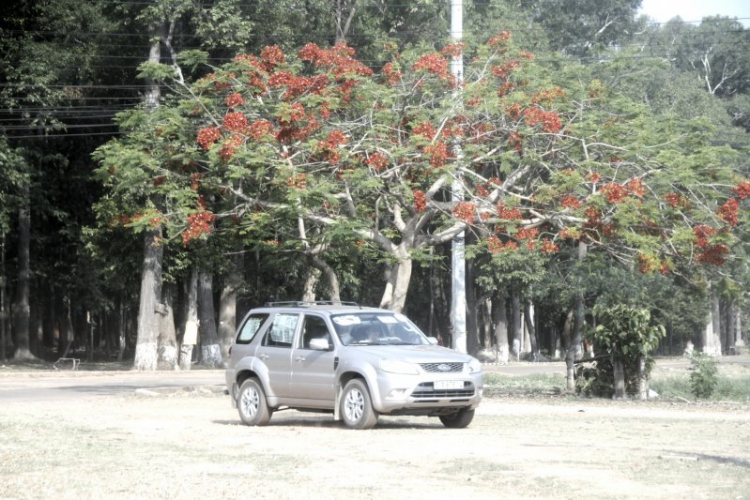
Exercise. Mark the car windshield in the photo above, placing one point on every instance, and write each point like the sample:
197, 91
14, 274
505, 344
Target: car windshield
377, 329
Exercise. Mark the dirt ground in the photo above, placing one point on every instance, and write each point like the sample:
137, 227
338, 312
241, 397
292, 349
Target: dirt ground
191, 445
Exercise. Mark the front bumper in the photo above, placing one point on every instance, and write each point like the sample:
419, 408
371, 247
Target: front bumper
421, 394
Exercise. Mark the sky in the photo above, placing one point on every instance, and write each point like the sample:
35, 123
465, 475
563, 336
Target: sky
695, 10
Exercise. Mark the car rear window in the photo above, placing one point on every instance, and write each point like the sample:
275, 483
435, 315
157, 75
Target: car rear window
250, 327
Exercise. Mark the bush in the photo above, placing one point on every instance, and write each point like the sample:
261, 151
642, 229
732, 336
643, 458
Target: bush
704, 376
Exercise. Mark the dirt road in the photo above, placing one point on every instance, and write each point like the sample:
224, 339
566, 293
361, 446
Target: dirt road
189, 444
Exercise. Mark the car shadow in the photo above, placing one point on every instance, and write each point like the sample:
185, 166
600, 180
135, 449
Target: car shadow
313, 422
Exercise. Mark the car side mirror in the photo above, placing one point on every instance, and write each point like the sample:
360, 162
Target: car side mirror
320, 345
432, 340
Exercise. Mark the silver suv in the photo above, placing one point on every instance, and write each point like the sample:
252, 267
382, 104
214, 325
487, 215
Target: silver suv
355, 362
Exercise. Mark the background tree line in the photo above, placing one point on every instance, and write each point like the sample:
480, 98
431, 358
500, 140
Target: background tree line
118, 229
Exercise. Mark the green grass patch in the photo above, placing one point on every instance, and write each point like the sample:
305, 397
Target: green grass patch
728, 387
497, 384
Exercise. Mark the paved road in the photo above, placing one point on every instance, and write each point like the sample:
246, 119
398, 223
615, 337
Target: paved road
56, 385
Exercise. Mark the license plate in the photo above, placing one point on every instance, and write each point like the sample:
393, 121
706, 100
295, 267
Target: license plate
449, 384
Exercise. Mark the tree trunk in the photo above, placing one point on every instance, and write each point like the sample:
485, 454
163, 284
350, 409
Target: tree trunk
394, 297
731, 325
210, 351
22, 312
515, 323
711, 335
311, 282
619, 370
500, 321
148, 321
228, 308
472, 311
190, 336
575, 338
642, 380
3, 310
167, 340
66, 329
330, 274
528, 314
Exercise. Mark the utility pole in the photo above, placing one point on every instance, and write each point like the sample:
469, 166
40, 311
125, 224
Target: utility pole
458, 250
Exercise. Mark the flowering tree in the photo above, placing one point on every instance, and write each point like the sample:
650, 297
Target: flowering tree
330, 153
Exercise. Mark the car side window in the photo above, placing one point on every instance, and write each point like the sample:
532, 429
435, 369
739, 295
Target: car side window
250, 328
281, 331
313, 327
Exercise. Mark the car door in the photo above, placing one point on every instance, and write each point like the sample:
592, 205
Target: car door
313, 371
275, 352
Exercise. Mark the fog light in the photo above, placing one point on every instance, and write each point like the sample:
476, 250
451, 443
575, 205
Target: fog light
396, 393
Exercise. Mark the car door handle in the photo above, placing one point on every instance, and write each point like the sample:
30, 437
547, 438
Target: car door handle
299, 358
263, 357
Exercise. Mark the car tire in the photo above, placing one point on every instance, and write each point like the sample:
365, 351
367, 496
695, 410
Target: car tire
252, 404
458, 420
356, 406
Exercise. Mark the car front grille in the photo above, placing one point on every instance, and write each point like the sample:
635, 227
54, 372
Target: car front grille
442, 367
426, 390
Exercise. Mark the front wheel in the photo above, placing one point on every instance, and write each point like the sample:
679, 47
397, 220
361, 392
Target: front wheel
458, 420
356, 406
252, 403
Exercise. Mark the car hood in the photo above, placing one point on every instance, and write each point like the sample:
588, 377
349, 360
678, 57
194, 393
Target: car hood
412, 353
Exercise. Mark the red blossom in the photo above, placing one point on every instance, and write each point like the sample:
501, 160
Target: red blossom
508, 213
271, 56
636, 188
527, 233
420, 200
505, 69
499, 39
426, 130
435, 64
614, 192
453, 49
208, 136
391, 74
235, 100
230, 147
702, 235
377, 160
714, 254
549, 119
742, 190
570, 202
515, 141
676, 200
729, 212
593, 178
549, 246
260, 129
298, 181
438, 153
465, 211
199, 223
235, 122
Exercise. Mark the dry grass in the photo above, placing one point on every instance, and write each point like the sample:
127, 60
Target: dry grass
190, 445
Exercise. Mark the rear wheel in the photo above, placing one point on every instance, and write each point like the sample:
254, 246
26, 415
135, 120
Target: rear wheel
251, 403
356, 406
458, 420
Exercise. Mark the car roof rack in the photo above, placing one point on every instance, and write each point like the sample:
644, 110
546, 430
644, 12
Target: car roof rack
306, 303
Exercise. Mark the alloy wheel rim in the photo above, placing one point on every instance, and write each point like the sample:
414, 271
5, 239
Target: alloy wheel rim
355, 405
249, 403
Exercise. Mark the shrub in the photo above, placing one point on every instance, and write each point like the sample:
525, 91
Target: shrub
704, 376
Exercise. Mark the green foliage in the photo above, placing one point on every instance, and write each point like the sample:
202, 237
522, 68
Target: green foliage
623, 333
703, 376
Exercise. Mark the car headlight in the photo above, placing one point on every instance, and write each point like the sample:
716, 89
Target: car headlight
394, 366
475, 366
